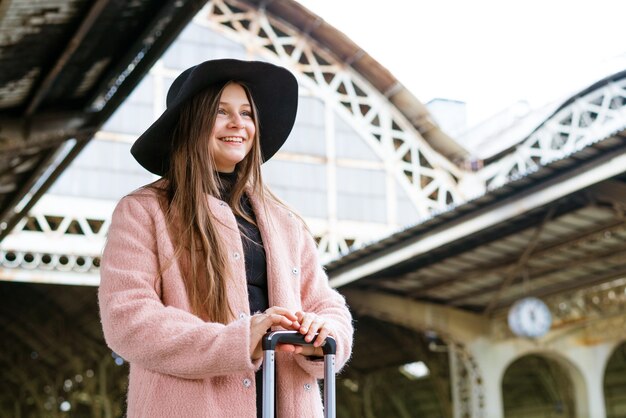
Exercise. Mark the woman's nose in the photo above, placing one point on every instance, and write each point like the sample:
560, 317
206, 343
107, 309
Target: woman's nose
236, 120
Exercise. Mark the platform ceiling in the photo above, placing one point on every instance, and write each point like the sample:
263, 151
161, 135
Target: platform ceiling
65, 66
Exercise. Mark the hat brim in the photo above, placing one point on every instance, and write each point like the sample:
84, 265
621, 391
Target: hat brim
274, 91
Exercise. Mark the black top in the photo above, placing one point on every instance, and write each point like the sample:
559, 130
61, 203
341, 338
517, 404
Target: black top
254, 253
256, 266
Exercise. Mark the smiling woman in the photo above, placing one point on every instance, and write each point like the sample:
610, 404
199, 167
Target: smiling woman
201, 263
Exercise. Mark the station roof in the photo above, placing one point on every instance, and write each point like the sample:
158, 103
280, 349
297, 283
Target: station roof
558, 229
65, 67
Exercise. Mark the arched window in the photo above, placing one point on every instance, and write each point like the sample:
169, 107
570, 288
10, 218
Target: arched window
615, 383
537, 386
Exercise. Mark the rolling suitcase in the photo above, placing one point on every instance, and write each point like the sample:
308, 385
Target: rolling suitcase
270, 340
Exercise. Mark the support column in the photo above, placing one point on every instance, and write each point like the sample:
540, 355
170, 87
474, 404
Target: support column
331, 181
591, 361
467, 383
455, 382
492, 359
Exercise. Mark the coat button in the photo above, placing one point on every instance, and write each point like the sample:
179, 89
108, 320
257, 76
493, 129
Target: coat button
242, 315
295, 270
236, 255
247, 382
307, 387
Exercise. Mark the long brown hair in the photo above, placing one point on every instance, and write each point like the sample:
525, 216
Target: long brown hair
192, 174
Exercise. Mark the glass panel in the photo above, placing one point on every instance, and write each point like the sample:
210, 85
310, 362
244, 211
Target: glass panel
349, 143
361, 194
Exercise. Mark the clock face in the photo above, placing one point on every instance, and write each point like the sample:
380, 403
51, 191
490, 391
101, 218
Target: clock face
530, 317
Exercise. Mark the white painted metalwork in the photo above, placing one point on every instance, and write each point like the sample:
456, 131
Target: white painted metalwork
430, 180
59, 242
571, 184
467, 382
587, 120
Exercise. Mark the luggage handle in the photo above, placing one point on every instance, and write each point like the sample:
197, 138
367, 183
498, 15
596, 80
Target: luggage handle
269, 343
273, 338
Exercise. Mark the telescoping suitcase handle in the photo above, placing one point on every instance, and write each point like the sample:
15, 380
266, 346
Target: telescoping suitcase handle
269, 343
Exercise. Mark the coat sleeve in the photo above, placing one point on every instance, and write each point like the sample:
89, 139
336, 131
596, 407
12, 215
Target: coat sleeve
138, 326
317, 296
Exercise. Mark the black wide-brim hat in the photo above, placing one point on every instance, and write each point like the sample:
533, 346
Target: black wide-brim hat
274, 91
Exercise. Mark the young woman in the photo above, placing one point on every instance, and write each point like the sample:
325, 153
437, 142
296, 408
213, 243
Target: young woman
201, 263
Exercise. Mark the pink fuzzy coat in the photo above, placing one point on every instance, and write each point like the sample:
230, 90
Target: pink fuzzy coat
181, 366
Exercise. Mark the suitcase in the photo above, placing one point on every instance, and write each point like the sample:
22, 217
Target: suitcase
270, 340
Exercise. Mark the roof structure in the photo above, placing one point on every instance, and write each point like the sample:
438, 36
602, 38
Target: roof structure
556, 228
66, 65
367, 67
56, 94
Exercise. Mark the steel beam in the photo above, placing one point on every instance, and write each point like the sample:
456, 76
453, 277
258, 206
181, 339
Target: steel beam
32, 196
40, 131
460, 326
74, 43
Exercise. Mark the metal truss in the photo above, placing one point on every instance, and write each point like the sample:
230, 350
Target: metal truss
60, 241
429, 179
586, 120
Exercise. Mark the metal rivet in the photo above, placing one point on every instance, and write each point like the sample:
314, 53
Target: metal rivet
290, 215
242, 315
247, 382
307, 387
222, 203
236, 255
294, 270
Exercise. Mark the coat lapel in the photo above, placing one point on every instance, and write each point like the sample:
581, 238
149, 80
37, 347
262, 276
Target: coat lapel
229, 231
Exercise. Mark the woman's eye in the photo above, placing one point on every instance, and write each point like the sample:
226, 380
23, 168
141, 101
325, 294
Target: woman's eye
221, 111
246, 114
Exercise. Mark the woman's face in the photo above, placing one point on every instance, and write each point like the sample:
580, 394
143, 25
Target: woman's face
233, 133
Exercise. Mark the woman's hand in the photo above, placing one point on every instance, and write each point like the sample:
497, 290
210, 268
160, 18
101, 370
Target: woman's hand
261, 322
307, 323
310, 324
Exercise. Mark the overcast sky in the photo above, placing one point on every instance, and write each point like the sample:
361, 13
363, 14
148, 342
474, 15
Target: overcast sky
488, 53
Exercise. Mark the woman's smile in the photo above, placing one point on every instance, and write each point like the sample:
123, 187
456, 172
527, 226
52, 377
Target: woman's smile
233, 139
234, 129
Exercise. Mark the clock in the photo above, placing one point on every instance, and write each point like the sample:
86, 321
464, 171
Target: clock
530, 317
